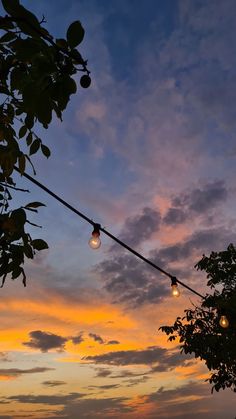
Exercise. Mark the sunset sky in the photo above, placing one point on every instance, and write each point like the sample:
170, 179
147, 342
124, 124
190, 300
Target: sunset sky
148, 151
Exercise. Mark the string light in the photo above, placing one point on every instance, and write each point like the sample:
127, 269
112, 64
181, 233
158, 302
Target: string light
224, 322
95, 241
174, 287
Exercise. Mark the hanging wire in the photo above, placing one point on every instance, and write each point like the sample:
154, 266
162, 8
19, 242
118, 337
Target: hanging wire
96, 225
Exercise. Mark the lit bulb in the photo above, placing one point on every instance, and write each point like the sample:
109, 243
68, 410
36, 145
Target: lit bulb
175, 290
95, 241
224, 322
174, 287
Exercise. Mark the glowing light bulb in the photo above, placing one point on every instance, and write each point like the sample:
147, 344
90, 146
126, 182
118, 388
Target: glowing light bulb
175, 290
174, 287
224, 322
95, 241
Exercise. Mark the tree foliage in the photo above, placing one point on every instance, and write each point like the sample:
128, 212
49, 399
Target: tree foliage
35, 83
199, 331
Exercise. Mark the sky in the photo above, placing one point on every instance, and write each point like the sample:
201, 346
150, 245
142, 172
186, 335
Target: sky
148, 151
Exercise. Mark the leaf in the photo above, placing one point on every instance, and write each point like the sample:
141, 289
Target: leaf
75, 34
29, 121
39, 244
21, 163
45, 150
28, 251
35, 205
16, 272
35, 146
22, 131
19, 218
44, 109
29, 138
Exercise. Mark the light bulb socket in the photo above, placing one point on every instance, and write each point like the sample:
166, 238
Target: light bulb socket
96, 230
174, 281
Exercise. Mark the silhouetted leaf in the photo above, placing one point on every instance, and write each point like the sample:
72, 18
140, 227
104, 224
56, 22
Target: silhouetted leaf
75, 34
22, 131
21, 163
35, 146
39, 244
45, 150
35, 205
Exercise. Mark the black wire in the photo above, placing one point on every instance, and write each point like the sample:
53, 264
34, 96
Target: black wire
120, 242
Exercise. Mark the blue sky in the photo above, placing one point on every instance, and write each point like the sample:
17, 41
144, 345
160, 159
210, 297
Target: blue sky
149, 152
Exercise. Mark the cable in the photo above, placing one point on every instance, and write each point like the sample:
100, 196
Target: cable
98, 226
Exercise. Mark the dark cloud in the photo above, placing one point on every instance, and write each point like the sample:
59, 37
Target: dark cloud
175, 216
96, 338
135, 381
128, 279
200, 200
113, 342
77, 339
128, 374
45, 341
160, 359
53, 383
189, 389
102, 372
96, 408
104, 387
58, 399
139, 228
16, 372
200, 242
197, 202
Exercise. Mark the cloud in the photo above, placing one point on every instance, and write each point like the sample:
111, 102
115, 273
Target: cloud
57, 399
159, 358
96, 338
77, 339
113, 342
131, 281
175, 216
168, 395
104, 387
139, 228
45, 341
199, 242
128, 374
16, 372
93, 408
135, 381
102, 372
53, 383
199, 201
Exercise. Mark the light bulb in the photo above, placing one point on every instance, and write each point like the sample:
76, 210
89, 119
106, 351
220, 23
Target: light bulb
224, 322
94, 242
175, 290
174, 287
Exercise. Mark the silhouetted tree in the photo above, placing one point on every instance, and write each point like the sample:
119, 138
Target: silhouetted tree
35, 81
199, 331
